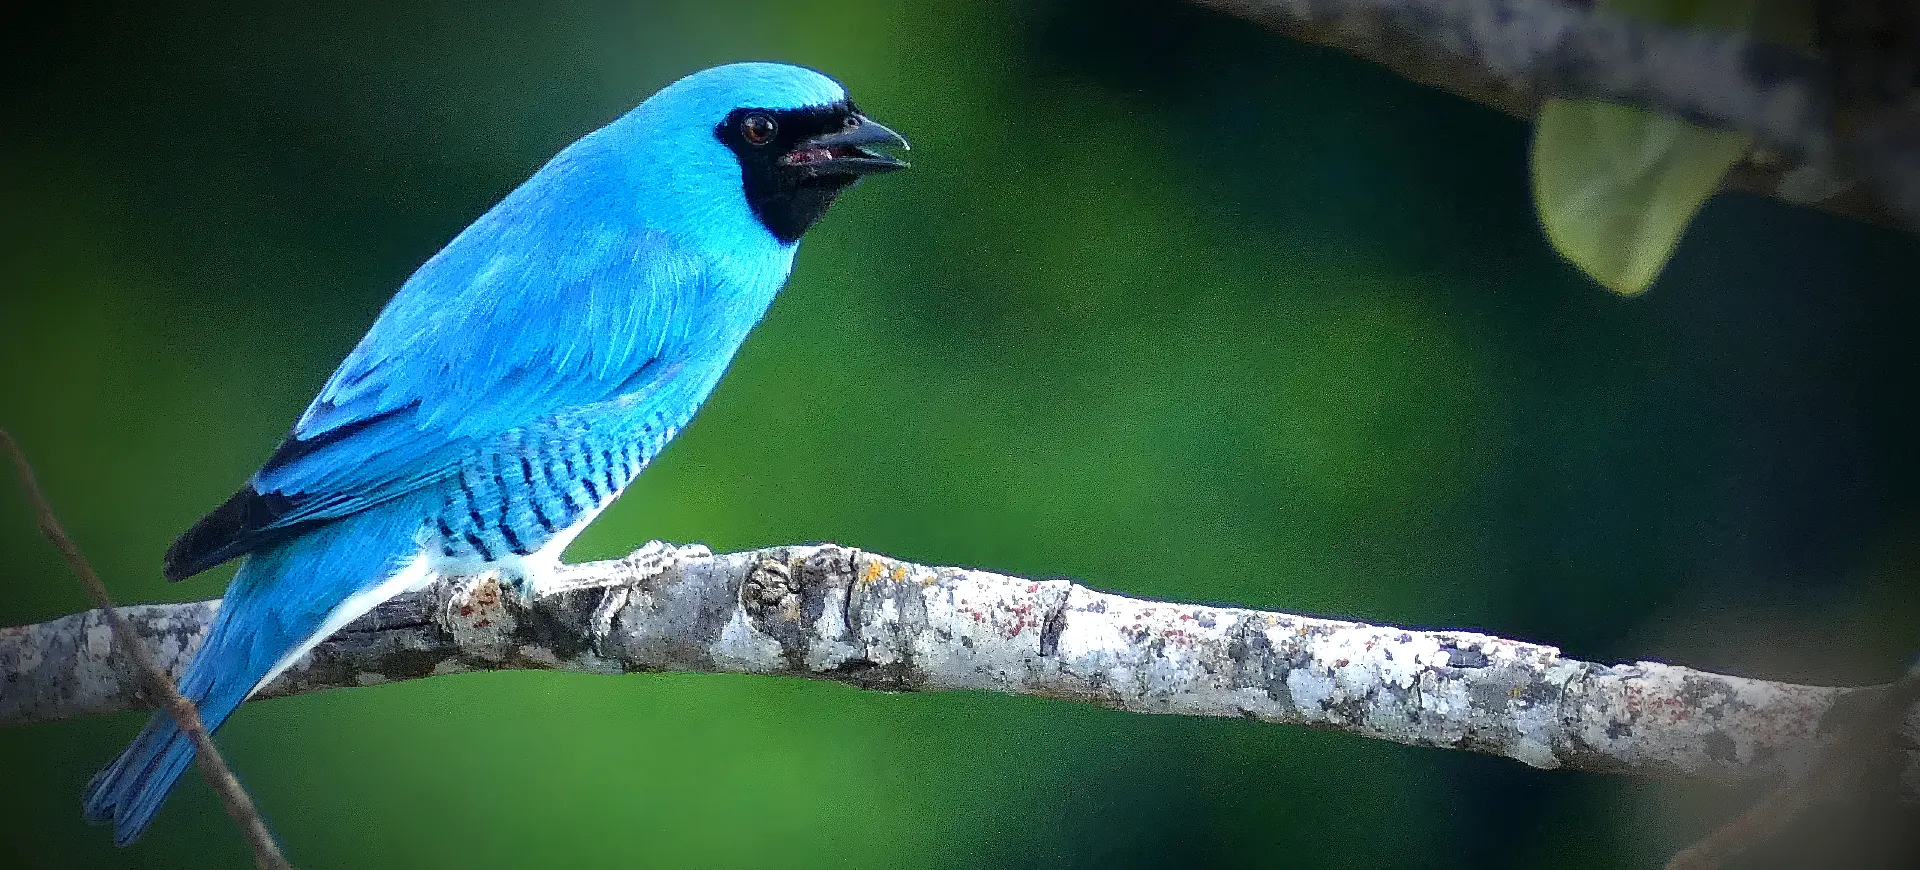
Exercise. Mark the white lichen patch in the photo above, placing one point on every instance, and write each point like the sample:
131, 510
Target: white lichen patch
744, 649
1537, 728
981, 632
1312, 693
1095, 647
1363, 659
99, 639
829, 645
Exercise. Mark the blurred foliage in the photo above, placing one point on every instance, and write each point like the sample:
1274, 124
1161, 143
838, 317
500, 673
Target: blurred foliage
1616, 186
1167, 304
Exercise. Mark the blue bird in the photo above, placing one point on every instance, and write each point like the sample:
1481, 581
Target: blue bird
516, 383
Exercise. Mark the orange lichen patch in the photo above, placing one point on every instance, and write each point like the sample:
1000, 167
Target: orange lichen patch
899, 573
871, 572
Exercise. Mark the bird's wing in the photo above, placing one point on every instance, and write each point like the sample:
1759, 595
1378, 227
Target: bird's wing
492, 334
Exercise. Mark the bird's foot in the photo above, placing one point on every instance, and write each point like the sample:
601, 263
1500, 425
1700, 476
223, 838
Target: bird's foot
654, 558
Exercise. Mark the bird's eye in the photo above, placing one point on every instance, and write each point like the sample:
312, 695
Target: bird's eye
758, 129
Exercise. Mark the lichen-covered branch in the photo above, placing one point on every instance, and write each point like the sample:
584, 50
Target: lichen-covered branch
829, 612
1815, 145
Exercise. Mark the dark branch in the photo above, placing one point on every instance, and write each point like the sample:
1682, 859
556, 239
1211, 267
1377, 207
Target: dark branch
1855, 160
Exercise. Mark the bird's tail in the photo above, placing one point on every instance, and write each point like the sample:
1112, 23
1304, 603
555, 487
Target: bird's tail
281, 602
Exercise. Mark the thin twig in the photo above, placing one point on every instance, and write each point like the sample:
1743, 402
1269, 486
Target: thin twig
1761, 821
266, 852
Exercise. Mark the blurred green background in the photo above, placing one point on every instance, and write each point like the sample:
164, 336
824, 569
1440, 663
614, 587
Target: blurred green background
1167, 304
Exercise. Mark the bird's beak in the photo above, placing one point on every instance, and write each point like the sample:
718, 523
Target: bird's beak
842, 153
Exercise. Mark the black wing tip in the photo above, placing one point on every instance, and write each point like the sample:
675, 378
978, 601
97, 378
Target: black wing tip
235, 528
181, 563
251, 519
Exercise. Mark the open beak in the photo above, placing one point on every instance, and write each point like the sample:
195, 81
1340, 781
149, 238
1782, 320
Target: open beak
843, 153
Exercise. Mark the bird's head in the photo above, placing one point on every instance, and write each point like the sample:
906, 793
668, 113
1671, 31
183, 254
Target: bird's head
784, 139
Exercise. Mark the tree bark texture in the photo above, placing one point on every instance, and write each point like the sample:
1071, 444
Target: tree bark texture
835, 613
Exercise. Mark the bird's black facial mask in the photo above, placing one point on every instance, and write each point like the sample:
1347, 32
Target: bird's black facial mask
793, 162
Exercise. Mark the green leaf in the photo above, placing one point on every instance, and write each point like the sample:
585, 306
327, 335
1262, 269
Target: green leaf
1617, 186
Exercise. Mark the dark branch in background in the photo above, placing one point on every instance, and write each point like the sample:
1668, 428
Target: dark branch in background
157, 683
1821, 138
